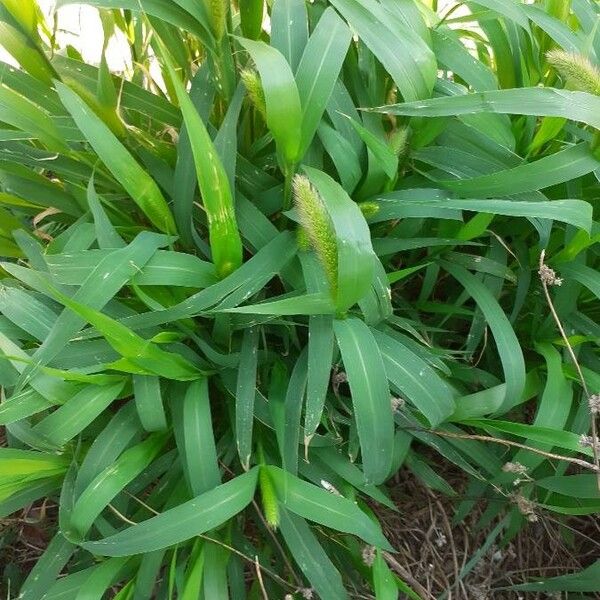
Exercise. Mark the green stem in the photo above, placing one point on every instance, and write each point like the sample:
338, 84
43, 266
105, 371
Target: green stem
595, 144
289, 173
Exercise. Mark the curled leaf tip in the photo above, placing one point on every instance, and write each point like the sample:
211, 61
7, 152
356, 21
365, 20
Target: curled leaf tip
578, 71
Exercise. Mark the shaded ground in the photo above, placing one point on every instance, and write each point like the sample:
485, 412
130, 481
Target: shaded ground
432, 549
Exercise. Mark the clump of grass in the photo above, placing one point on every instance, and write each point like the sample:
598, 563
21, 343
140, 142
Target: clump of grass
172, 329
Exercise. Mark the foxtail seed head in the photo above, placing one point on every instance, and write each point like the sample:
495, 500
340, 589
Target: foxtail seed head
255, 90
269, 499
368, 209
578, 71
319, 229
398, 141
302, 239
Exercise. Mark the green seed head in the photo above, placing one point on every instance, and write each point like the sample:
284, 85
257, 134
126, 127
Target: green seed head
369, 209
398, 141
255, 90
577, 70
319, 229
303, 239
269, 499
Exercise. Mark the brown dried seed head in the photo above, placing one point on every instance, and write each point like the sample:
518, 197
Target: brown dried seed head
594, 404
368, 555
548, 276
514, 467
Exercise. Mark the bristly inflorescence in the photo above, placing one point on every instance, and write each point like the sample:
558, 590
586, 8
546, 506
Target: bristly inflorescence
316, 222
578, 71
255, 90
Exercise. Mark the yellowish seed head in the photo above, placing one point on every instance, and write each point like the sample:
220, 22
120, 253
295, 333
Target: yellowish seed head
303, 239
255, 90
578, 71
369, 209
319, 229
269, 499
398, 140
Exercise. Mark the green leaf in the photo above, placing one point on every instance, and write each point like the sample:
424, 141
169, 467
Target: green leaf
107, 484
77, 413
251, 18
310, 557
383, 578
196, 516
107, 446
195, 438
575, 212
309, 304
383, 153
415, 379
47, 568
174, 13
489, 401
215, 571
26, 52
292, 412
20, 112
138, 184
23, 405
244, 397
562, 166
407, 58
584, 275
284, 113
577, 486
101, 578
319, 69
289, 29
537, 101
544, 435
370, 396
148, 400
164, 268
105, 232
320, 350
326, 508
583, 581
225, 241
507, 342
138, 353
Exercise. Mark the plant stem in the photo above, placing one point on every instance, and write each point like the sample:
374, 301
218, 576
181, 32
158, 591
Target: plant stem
584, 387
488, 438
289, 173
